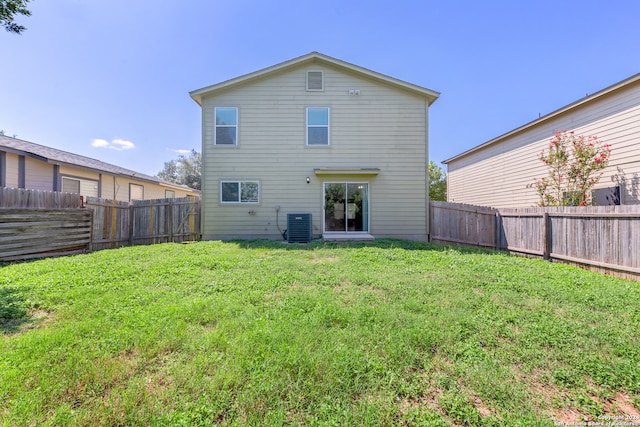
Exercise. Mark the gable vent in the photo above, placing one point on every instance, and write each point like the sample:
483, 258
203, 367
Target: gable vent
315, 80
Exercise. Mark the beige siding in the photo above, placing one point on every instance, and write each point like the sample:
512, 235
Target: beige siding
383, 128
502, 174
12, 170
89, 181
38, 175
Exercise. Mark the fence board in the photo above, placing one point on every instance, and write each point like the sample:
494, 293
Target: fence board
30, 233
606, 238
25, 198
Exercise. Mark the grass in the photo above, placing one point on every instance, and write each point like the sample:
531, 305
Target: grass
262, 333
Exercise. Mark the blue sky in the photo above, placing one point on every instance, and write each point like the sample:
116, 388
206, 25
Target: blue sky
109, 79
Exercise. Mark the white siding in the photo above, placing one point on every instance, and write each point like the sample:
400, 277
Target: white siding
502, 174
382, 127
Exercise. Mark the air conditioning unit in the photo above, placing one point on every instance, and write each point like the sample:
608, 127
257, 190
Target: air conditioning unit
299, 227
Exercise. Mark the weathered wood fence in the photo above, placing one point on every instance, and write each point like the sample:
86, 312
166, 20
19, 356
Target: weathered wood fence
35, 233
40, 223
605, 238
144, 222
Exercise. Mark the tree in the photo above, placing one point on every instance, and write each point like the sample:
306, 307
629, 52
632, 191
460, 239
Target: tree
437, 182
8, 10
185, 170
575, 165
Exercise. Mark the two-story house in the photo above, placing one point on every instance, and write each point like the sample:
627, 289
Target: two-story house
315, 135
500, 172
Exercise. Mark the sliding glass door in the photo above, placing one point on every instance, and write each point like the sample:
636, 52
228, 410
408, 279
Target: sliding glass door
346, 207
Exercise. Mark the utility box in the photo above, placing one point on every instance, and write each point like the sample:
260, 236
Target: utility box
299, 227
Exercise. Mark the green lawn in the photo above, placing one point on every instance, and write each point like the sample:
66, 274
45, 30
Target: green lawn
264, 333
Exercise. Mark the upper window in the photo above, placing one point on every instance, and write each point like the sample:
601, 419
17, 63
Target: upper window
226, 126
315, 80
239, 192
169, 194
318, 126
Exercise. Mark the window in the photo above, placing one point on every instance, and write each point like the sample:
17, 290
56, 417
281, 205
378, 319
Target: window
318, 126
169, 194
315, 81
83, 186
226, 127
136, 192
239, 192
346, 207
70, 185
606, 196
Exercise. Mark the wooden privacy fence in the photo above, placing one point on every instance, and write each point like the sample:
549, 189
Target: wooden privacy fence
24, 198
144, 222
36, 233
42, 223
605, 238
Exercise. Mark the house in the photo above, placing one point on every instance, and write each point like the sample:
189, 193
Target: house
315, 135
500, 172
27, 165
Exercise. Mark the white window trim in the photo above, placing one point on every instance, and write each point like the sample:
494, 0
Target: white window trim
307, 126
345, 232
131, 185
71, 179
216, 125
239, 182
307, 81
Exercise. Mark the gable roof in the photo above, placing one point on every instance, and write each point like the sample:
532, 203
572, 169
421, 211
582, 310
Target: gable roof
60, 157
574, 105
314, 58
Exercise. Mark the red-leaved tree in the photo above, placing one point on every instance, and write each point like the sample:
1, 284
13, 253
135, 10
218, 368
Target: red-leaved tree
575, 165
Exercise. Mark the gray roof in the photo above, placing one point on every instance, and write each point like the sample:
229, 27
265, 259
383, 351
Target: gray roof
60, 157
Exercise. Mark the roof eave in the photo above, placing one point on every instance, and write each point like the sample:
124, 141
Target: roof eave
587, 99
429, 94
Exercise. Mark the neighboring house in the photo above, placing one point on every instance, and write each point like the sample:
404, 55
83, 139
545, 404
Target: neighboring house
27, 165
501, 172
315, 135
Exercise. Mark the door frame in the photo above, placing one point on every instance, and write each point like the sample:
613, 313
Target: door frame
346, 183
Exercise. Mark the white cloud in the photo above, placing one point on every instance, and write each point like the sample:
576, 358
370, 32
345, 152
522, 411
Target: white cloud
179, 150
122, 144
100, 143
116, 144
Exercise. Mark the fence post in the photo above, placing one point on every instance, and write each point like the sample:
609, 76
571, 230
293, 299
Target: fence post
496, 233
91, 230
546, 231
131, 223
170, 221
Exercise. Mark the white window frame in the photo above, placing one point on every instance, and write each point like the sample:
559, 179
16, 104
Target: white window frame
169, 194
239, 201
328, 126
216, 126
131, 185
72, 179
346, 183
321, 77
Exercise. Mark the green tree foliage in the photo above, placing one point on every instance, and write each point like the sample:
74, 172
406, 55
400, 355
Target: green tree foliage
437, 182
186, 170
575, 165
8, 11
